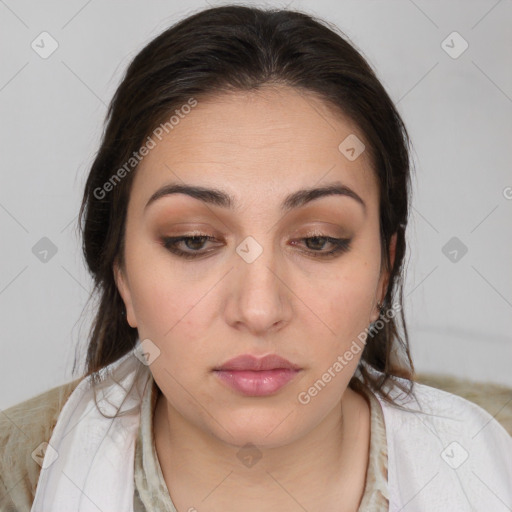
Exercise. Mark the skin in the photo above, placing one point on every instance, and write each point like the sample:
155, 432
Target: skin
258, 147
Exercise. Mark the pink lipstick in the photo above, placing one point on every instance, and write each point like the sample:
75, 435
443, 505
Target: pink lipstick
253, 376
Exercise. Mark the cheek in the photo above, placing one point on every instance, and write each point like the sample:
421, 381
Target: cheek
166, 306
344, 306
159, 297
349, 294
169, 315
348, 302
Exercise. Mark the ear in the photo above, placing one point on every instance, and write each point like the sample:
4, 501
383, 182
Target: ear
124, 290
382, 287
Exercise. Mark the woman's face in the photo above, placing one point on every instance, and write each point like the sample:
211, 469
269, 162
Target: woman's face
256, 285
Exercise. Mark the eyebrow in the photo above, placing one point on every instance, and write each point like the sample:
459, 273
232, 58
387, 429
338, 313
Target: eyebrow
220, 198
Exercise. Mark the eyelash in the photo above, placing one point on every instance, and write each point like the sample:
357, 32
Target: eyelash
341, 245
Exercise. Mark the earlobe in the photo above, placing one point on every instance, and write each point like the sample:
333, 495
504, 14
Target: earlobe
125, 293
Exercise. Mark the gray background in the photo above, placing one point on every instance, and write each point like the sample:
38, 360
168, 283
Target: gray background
457, 110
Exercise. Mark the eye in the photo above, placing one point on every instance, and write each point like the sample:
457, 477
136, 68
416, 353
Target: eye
192, 245
192, 242
317, 242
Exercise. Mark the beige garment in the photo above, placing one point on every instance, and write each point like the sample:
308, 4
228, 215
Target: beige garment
151, 491
23, 429
27, 426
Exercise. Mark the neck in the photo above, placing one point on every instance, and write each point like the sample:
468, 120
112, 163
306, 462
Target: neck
327, 465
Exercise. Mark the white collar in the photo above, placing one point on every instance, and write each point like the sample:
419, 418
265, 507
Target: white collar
89, 463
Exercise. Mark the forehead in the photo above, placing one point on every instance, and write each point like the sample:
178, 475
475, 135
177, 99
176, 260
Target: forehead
255, 145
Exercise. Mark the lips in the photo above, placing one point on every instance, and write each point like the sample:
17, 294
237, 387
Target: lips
253, 376
253, 363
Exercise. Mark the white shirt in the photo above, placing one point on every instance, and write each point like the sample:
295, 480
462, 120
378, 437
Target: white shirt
452, 456
447, 455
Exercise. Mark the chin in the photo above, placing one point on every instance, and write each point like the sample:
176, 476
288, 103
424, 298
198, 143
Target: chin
264, 430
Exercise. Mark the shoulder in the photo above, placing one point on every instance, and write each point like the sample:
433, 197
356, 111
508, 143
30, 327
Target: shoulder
24, 430
445, 406
454, 444
494, 398
452, 414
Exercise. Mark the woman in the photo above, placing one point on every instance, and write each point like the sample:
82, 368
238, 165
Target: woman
244, 221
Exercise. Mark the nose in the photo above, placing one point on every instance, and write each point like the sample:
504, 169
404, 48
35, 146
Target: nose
259, 298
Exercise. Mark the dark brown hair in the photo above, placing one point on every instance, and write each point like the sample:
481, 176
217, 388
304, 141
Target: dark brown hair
239, 48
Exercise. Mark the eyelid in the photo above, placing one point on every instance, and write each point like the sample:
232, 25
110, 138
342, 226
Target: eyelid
341, 245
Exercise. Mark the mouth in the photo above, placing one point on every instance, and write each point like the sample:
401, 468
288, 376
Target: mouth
253, 376
257, 383
248, 362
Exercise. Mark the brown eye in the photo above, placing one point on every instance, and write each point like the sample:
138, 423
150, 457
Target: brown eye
316, 243
193, 242
192, 245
